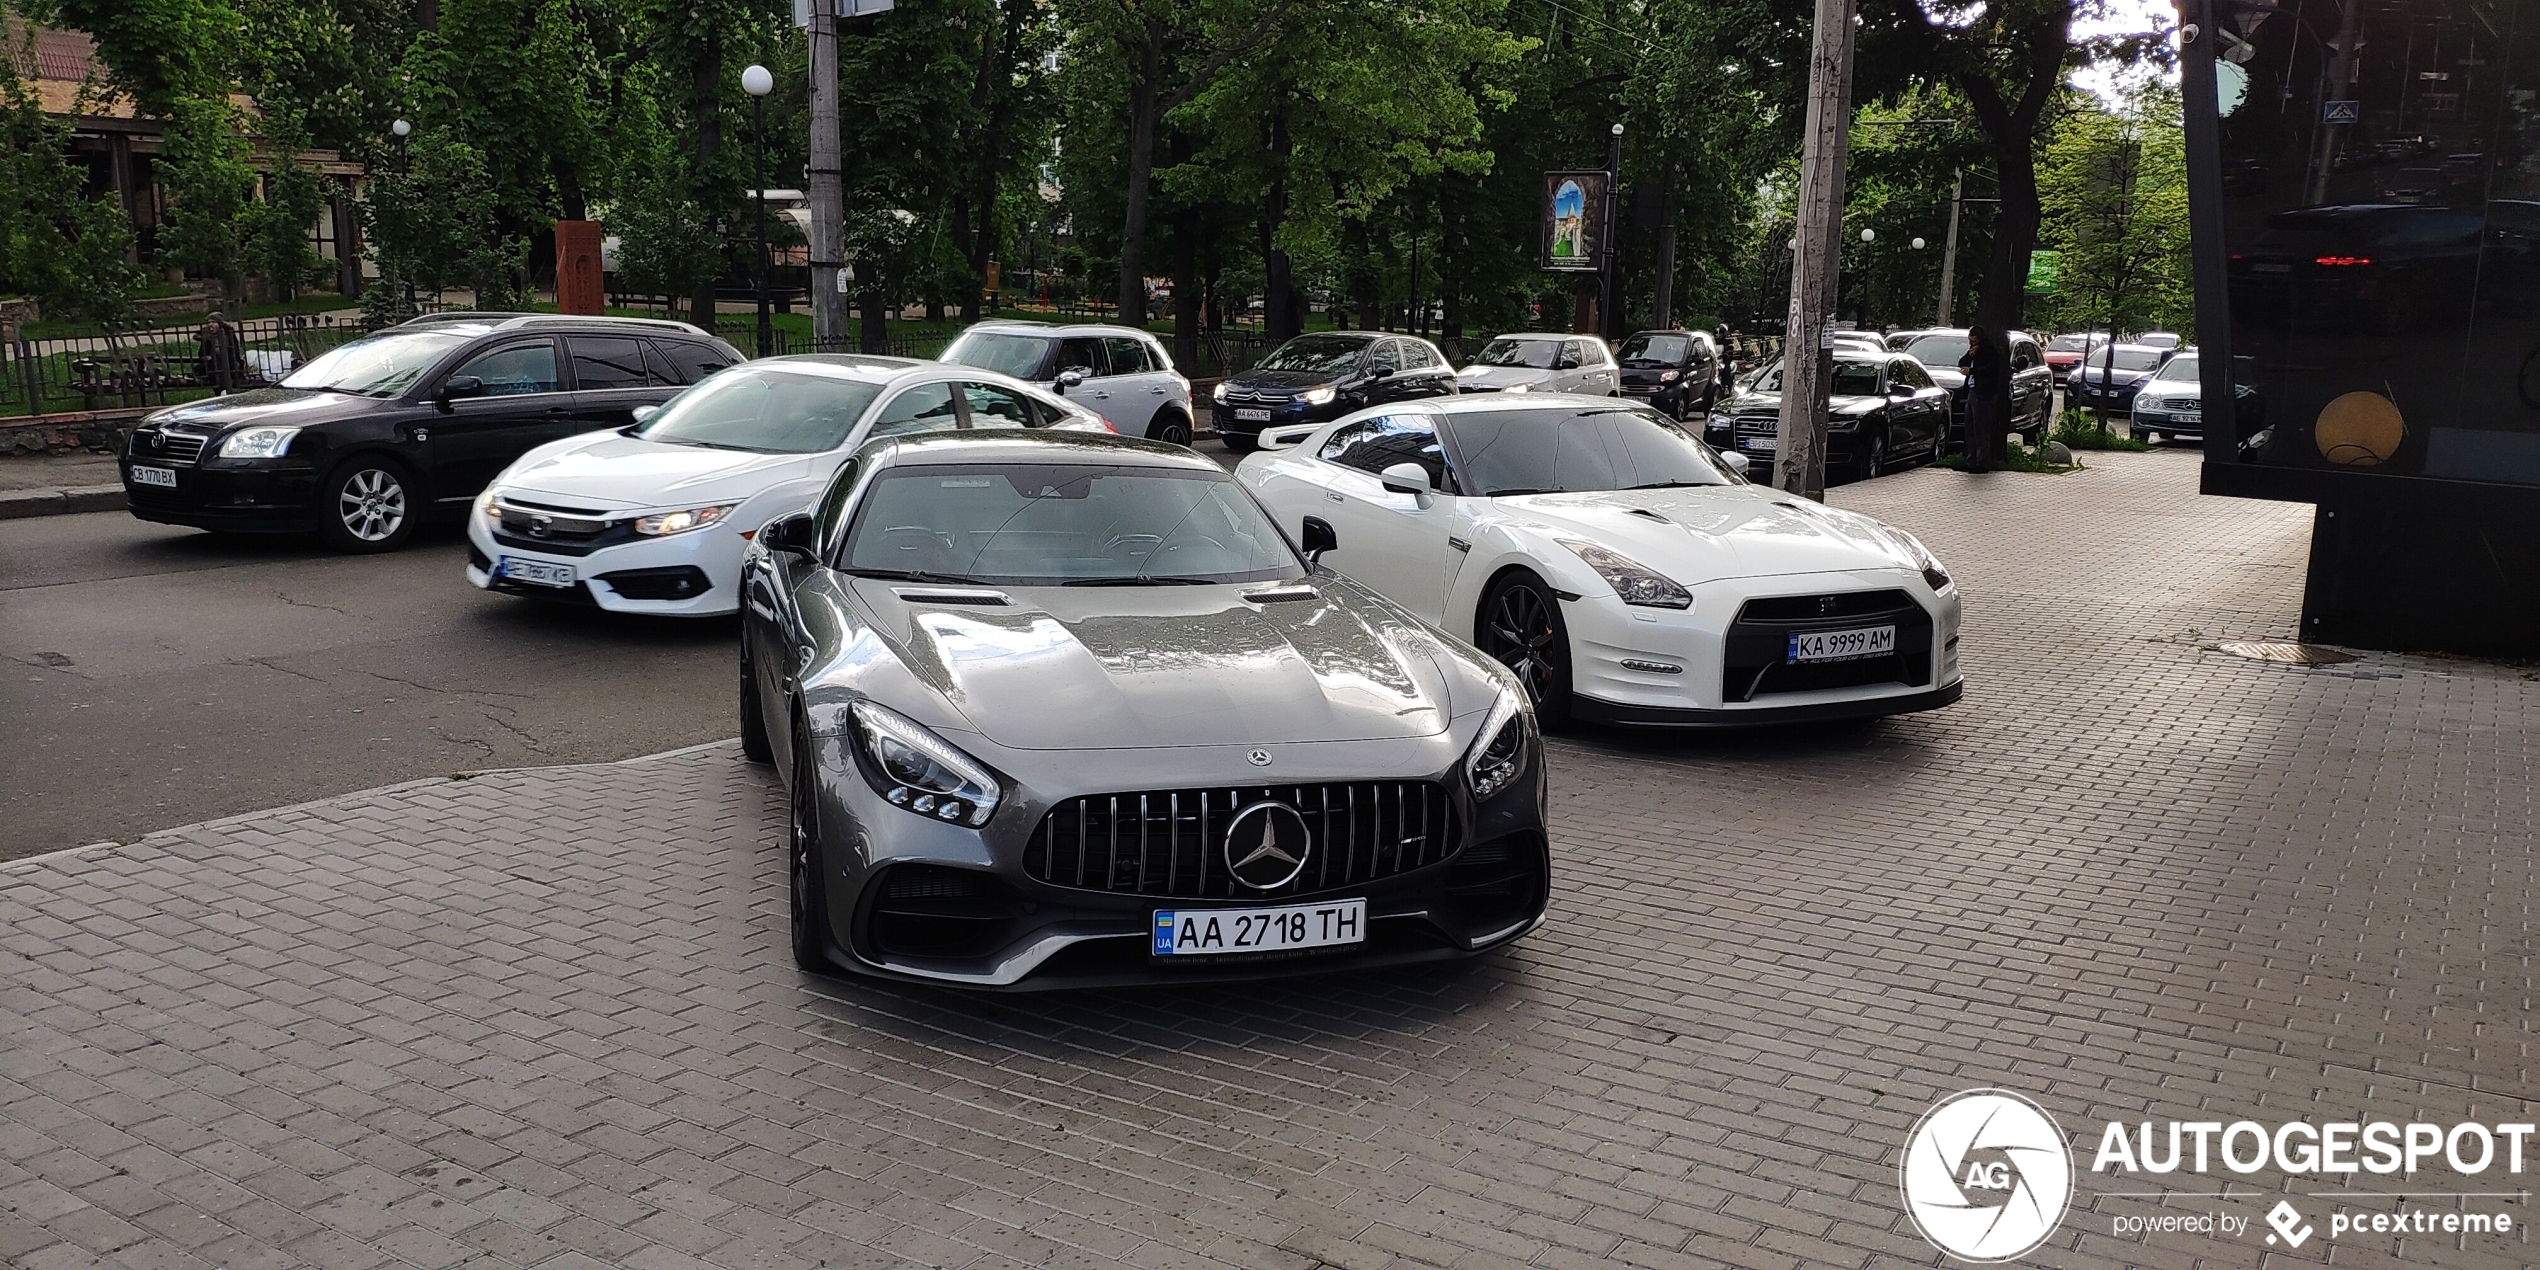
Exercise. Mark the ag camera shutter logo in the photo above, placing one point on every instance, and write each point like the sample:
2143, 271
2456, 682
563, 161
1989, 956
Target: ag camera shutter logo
1986, 1175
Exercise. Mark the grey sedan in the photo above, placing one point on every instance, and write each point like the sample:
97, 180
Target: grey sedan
1068, 710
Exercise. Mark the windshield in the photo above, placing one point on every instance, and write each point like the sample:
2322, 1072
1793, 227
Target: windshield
1550, 451
2181, 369
2126, 358
2068, 343
380, 365
1075, 524
770, 411
1537, 354
1320, 354
1939, 350
1856, 379
1006, 354
1655, 350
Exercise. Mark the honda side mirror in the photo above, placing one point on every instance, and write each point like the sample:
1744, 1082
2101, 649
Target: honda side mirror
1316, 537
457, 387
789, 533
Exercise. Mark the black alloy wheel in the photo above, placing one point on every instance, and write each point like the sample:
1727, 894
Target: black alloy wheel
754, 743
1873, 458
1521, 627
1171, 427
368, 504
808, 887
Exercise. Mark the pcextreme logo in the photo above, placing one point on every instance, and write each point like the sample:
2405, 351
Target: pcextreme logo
1986, 1175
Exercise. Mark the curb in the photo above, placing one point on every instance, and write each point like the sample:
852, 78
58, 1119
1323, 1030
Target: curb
22, 504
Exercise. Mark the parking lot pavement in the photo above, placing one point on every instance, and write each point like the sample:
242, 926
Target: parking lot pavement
546, 1017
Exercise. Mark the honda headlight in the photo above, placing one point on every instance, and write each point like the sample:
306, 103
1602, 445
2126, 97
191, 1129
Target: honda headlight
257, 443
1921, 556
1318, 396
485, 506
1636, 583
1218, 393
1499, 750
913, 768
679, 522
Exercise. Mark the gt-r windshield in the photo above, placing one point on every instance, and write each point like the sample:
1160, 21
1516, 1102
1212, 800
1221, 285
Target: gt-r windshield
1565, 451
1076, 524
770, 411
380, 365
1533, 354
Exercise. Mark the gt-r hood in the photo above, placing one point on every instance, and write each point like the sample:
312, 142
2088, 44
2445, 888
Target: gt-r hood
1072, 668
613, 470
1501, 377
1707, 533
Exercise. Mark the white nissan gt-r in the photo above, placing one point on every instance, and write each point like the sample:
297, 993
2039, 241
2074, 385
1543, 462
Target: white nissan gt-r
1624, 570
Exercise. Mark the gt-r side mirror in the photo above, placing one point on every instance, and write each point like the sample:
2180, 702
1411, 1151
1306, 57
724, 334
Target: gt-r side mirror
642, 413
789, 533
1736, 462
1316, 537
1406, 478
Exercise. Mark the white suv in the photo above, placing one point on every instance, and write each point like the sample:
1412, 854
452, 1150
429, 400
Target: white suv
1117, 372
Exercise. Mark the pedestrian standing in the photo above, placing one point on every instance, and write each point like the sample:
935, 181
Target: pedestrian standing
1988, 394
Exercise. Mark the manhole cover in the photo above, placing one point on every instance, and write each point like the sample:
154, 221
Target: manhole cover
2290, 654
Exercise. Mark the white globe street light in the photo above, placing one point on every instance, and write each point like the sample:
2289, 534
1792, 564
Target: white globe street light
401, 127
756, 81
1869, 235
1918, 244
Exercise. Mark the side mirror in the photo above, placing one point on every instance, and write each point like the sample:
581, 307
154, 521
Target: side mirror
1735, 462
1380, 372
1316, 537
1406, 478
1900, 390
789, 533
459, 386
1069, 378
645, 412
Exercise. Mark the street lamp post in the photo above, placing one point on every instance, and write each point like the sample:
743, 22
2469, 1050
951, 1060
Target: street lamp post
405, 169
756, 81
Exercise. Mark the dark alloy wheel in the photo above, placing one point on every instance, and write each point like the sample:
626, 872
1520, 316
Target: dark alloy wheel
368, 504
754, 744
1171, 427
809, 889
1873, 458
1521, 627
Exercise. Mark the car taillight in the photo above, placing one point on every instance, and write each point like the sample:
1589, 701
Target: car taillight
2341, 262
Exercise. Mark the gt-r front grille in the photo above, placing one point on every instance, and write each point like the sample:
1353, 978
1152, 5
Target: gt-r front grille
1170, 844
1756, 658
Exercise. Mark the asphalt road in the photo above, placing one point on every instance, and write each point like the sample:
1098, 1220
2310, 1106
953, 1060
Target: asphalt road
152, 677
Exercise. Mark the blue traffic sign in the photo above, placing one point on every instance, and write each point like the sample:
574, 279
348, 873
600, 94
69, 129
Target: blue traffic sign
2341, 111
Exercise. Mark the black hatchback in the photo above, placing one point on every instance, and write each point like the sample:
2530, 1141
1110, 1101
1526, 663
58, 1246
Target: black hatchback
1676, 371
1322, 376
364, 441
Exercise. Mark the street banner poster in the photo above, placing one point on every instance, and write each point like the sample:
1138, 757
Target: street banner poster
1573, 220
2041, 271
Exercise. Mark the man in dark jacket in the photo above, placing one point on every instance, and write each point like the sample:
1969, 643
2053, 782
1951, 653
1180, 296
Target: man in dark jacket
1988, 394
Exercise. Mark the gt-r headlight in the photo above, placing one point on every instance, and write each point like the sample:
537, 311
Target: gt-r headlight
1218, 394
1921, 556
661, 524
257, 443
1635, 582
1499, 750
913, 768
1318, 396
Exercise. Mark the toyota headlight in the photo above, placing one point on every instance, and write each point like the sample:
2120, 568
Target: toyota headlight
1218, 393
257, 443
912, 768
660, 524
1499, 750
1318, 396
1636, 583
1922, 557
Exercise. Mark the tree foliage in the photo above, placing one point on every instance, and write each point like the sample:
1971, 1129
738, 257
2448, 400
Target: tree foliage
60, 246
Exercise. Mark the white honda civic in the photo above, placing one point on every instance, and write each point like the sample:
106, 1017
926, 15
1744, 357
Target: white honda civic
1624, 570
655, 518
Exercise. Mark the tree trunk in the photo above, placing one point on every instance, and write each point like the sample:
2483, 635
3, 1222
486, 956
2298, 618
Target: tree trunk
1283, 311
1143, 108
966, 236
873, 333
709, 106
1186, 286
2004, 294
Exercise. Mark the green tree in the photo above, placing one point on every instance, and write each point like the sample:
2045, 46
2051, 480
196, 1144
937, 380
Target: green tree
210, 185
433, 220
275, 230
67, 250
2113, 185
162, 52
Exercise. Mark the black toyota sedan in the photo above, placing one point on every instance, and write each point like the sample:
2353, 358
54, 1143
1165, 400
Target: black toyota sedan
1676, 371
360, 444
1323, 376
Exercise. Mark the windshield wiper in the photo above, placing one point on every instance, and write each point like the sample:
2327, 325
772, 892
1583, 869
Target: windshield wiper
1136, 581
1673, 485
908, 575
1515, 490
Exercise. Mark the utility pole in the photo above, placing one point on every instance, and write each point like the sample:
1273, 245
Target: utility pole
827, 193
1609, 293
1807, 364
1949, 246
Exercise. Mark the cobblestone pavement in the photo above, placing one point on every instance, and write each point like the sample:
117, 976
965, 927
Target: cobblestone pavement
546, 1017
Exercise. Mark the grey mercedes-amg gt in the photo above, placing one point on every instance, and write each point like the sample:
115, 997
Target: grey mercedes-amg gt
1064, 710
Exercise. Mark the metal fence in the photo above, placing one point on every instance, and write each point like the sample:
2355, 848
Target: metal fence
139, 364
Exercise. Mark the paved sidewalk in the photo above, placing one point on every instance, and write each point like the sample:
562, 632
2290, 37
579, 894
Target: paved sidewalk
59, 484
545, 1018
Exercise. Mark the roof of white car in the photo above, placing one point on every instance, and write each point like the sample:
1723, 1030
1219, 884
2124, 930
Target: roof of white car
1054, 329
860, 366
1500, 403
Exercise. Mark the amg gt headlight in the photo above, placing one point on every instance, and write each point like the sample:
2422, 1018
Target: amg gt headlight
1219, 392
679, 522
1499, 750
1318, 396
913, 768
1921, 556
257, 443
1635, 582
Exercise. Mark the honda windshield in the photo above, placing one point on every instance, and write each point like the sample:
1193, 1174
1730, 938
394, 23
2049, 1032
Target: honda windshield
763, 409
